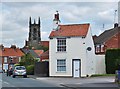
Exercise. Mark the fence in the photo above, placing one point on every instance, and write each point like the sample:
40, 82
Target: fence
42, 69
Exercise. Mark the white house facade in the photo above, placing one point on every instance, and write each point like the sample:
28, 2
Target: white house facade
71, 51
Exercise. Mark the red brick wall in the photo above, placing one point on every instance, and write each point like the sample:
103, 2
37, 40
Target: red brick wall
113, 42
15, 60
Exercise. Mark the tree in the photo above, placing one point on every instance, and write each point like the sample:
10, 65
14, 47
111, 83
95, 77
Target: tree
27, 59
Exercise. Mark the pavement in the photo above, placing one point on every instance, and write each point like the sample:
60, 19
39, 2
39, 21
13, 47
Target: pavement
76, 83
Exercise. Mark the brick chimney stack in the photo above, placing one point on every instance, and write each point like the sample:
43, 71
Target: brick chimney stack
13, 46
56, 21
1, 47
116, 25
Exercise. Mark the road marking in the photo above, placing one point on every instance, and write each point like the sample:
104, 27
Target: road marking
41, 78
33, 79
6, 83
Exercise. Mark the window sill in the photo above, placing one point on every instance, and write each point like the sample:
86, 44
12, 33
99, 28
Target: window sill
61, 72
61, 52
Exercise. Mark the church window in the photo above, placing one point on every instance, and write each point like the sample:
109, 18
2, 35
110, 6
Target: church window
34, 34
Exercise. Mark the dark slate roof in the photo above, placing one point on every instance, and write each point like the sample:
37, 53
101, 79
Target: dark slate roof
106, 35
31, 52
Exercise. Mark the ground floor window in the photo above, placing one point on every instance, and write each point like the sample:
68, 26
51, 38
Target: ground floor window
61, 65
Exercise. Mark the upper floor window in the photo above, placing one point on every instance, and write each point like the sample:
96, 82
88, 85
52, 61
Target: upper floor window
5, 59
102, 48
61, 44
97, 48
19, 59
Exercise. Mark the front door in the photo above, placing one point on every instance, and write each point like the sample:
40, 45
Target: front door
76, 68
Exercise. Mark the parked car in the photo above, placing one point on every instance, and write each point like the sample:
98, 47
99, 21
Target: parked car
19, 71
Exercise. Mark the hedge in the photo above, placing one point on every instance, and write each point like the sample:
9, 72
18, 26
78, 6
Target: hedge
112, 60
30, 70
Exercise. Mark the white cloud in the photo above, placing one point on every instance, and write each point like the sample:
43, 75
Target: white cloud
45, 35
15, 17
60, 0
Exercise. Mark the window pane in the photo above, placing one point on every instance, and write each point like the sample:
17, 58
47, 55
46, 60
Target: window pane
5, 59
61, 65
61, 44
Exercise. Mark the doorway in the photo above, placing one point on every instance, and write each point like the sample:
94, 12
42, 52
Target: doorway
76, 68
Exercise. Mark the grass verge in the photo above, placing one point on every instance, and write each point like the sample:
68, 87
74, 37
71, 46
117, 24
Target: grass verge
97, 75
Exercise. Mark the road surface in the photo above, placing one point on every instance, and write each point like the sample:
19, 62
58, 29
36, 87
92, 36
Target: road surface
24, 83
56, 83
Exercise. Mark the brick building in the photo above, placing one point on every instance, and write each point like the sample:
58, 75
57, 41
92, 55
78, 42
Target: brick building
9, 56
107, 40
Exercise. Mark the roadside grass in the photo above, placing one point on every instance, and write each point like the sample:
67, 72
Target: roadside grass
97, 75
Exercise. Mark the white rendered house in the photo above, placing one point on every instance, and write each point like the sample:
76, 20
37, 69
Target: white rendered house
71, 51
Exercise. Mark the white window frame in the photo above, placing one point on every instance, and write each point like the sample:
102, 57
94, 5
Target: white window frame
61, 44
61, 65
98, 48
19, 59
102, 48
5, 60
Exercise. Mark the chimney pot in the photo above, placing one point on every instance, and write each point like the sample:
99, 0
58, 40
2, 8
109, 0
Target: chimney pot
1, 47
13, 46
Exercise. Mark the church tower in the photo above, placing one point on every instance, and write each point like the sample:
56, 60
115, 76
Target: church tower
34, 33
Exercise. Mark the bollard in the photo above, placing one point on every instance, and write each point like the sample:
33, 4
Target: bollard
118, 76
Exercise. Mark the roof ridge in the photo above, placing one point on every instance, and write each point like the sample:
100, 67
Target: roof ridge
74, 24
106, 35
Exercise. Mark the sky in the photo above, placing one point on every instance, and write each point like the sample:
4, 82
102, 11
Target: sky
15, 18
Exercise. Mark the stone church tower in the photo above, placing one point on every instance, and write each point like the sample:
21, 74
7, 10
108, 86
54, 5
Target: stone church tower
34, 33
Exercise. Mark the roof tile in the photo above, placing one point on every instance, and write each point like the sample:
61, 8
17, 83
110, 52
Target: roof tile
11, 52
71, 30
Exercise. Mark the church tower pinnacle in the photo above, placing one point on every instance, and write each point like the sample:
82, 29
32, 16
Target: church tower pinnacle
29, 21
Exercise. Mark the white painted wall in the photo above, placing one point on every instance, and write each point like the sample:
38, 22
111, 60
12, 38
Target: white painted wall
90, 55
73, 52
100, 64
76, 49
